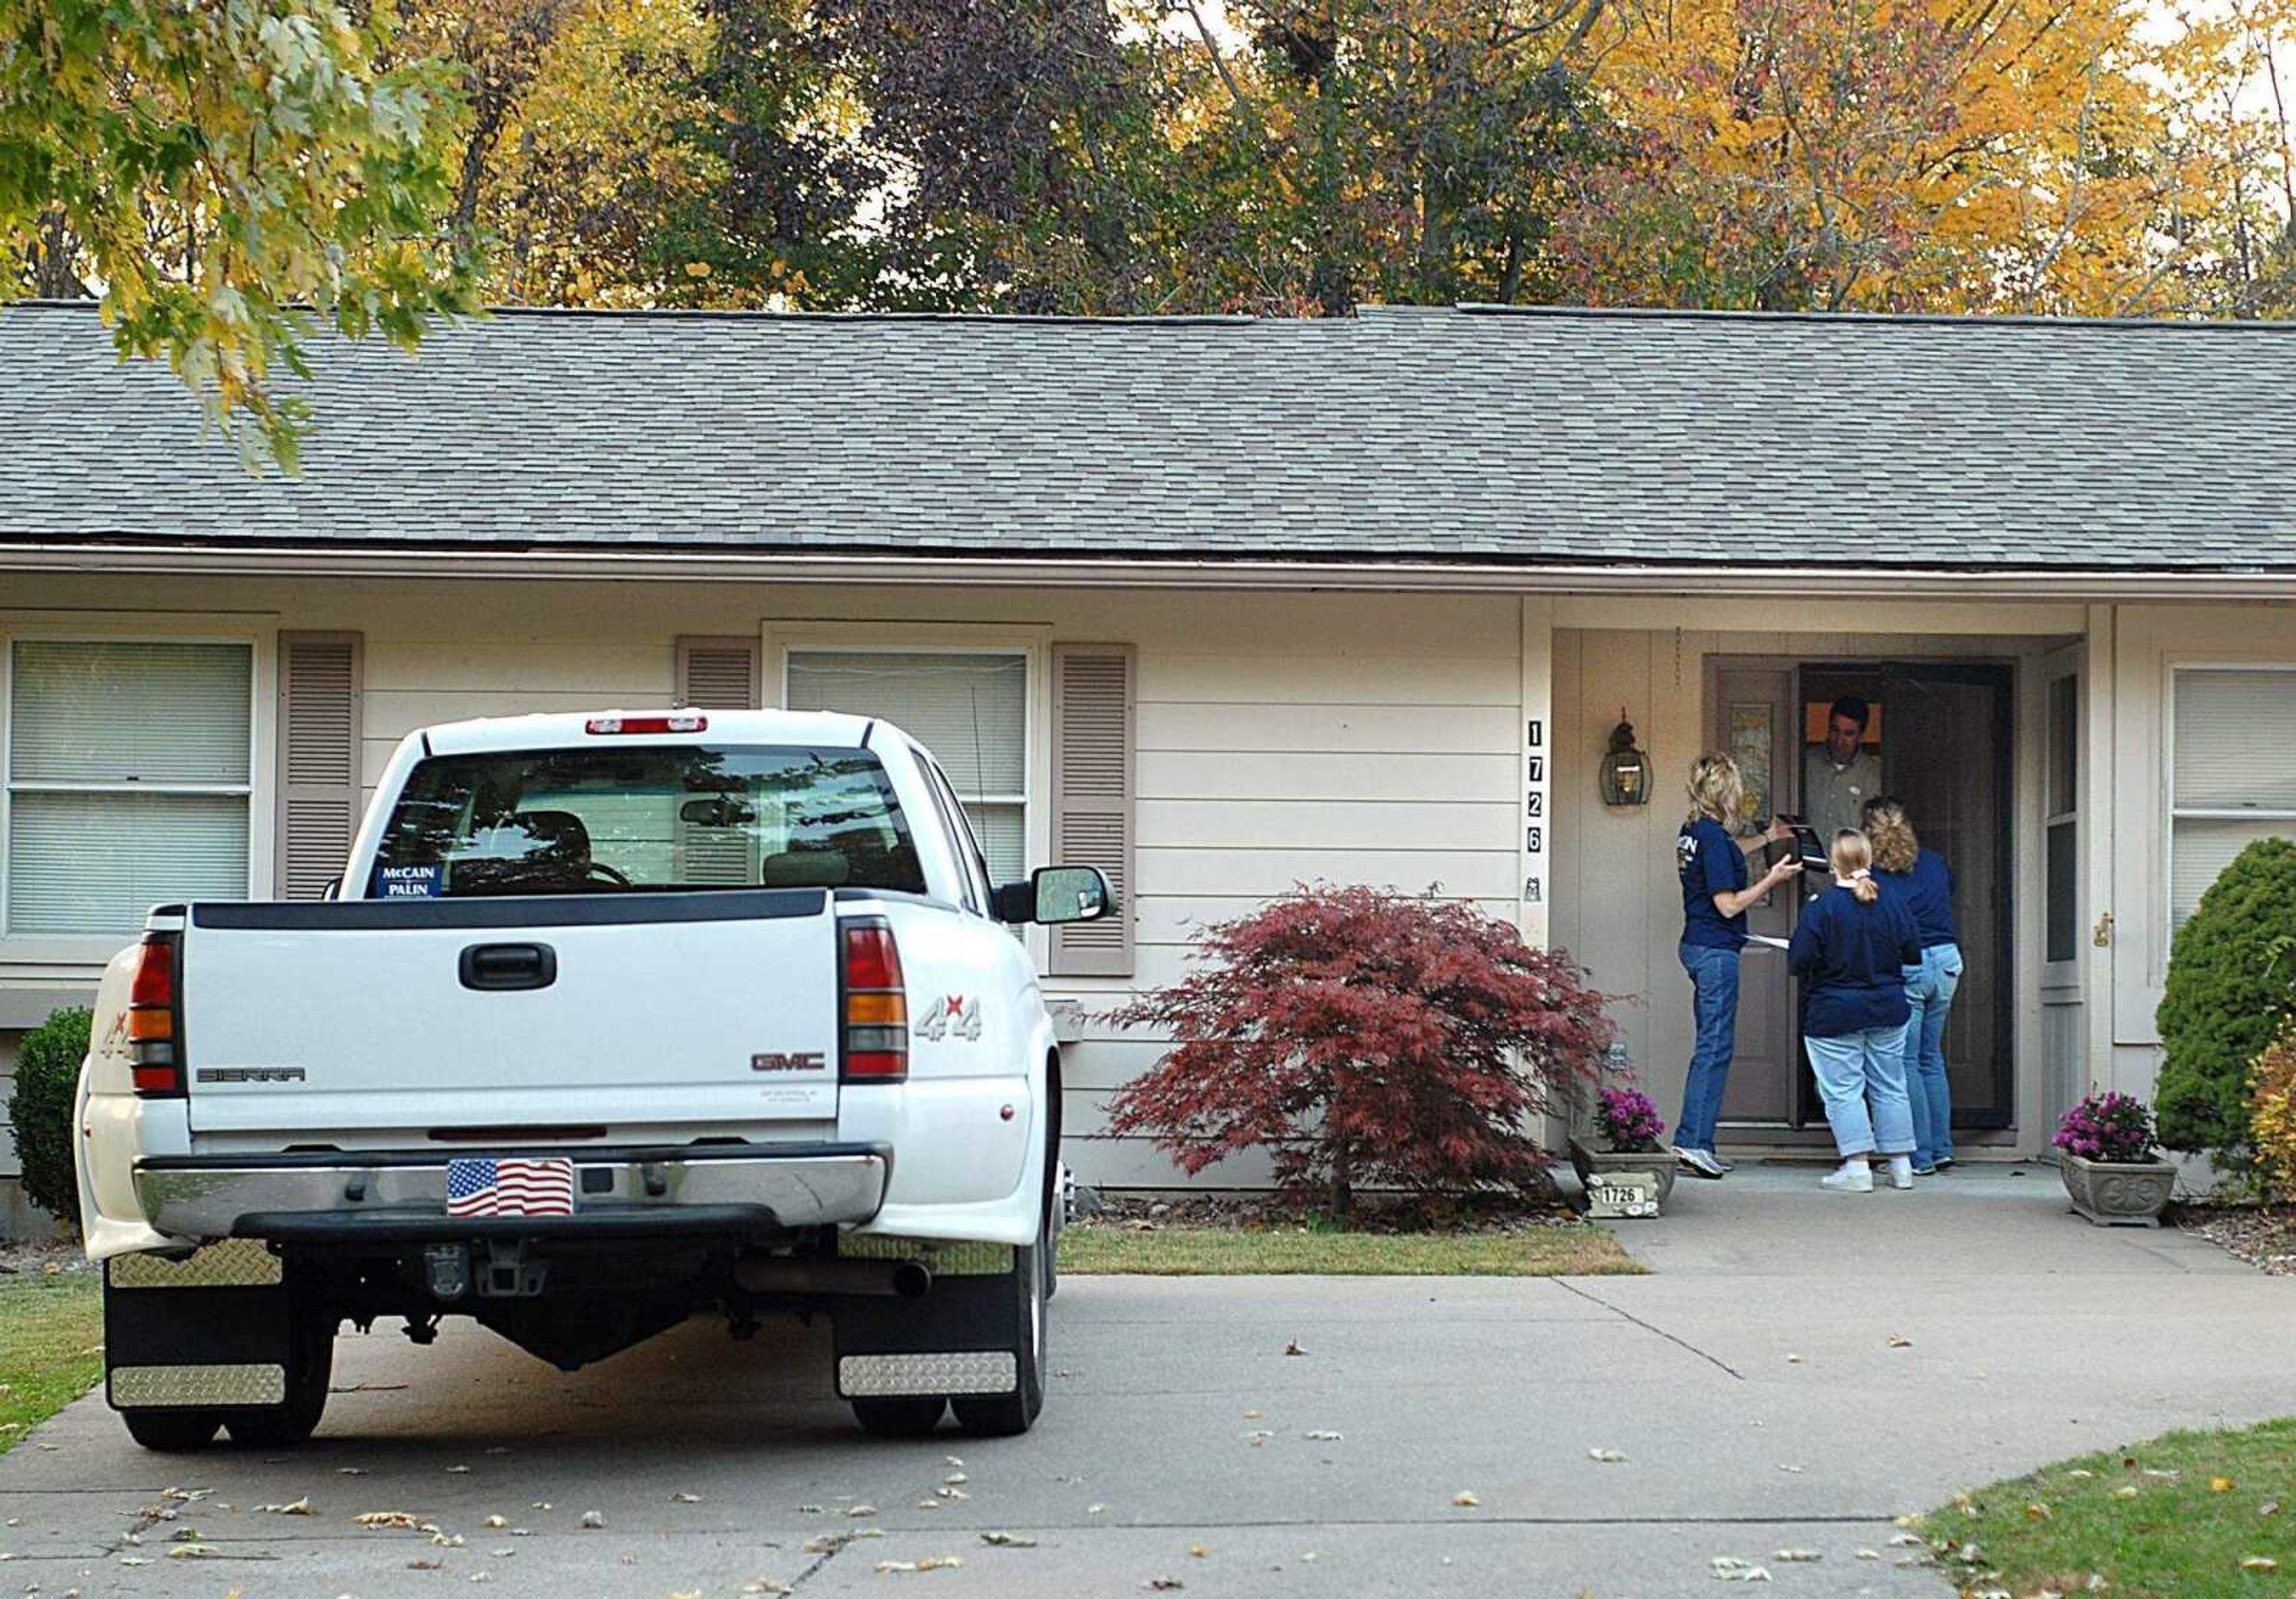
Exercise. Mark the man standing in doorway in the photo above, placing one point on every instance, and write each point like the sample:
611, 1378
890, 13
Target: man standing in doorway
1841, 775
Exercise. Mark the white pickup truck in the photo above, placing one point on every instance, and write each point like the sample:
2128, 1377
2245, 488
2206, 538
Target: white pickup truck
615, 1019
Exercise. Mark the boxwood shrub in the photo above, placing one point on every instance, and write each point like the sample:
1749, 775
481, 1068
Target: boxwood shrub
2232, 983
40, 1110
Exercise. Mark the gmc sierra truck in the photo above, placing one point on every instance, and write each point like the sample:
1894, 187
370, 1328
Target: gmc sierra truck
612, 1020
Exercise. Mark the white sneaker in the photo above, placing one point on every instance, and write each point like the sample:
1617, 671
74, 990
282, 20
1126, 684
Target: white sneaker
1901, 1171
1849, 1179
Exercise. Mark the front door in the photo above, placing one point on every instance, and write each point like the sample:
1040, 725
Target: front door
1945, 752
1943, 731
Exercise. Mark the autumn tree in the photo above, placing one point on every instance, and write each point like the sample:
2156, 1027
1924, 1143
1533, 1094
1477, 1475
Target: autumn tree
1409, 151
227, 178
1954, 155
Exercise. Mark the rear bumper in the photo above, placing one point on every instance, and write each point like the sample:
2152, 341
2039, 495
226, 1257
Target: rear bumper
402, 1196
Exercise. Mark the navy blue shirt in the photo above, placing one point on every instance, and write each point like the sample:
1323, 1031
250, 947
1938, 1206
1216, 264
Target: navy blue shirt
1851, 958
1927, 894
1710, 862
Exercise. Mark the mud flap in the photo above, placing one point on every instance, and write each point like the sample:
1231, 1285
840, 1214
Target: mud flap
214, 1331
961, 1338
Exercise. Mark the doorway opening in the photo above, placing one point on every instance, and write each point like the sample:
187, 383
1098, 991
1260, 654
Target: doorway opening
1940, 736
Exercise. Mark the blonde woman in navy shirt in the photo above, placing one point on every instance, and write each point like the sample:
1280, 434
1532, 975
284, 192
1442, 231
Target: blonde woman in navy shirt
1710, 859
1920, 879
1851, 949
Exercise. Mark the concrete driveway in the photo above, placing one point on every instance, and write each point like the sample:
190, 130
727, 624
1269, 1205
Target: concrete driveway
2032, 1336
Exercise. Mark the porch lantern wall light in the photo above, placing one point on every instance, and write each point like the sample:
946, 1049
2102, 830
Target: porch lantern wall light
1625, 770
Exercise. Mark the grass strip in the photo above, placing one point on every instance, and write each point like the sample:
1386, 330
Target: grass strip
1184, 1252
2187, 1515
51, 1345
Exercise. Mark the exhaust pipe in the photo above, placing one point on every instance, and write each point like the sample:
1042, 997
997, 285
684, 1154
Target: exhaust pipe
782, 1274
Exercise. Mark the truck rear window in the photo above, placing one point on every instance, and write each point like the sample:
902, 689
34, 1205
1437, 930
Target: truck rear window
660, 817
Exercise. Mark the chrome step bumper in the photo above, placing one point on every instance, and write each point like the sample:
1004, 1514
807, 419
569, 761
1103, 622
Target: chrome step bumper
393, 1195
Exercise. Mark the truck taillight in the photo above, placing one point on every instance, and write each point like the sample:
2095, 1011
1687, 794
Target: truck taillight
681, 722
153, 1036
876, 1021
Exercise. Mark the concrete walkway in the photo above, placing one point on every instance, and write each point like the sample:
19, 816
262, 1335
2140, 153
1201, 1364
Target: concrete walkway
2033, 1336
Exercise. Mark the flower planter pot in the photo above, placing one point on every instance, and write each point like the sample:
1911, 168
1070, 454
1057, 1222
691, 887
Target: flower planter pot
1589, 1162
2119, 1195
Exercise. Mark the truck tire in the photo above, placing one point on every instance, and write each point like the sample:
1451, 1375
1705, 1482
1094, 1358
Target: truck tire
898, 1418
310, 1368
172, 1431
1006, 1416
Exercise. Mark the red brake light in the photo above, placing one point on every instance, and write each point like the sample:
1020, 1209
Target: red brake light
681, 722
875, 1032
152, 1033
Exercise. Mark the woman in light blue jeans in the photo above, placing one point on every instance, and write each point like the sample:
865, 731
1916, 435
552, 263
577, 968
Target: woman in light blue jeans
1920, 880
1849, 949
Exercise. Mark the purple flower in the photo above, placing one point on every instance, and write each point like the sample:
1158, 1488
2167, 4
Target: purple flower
1628, 1121
2111, 1127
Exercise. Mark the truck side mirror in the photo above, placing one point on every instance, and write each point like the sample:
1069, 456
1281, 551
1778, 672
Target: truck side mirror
1055, 895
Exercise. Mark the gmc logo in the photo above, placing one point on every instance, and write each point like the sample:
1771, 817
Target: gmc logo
807, 1059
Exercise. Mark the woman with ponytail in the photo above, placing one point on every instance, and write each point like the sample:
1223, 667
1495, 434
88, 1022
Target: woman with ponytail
1918, 878
1851, 949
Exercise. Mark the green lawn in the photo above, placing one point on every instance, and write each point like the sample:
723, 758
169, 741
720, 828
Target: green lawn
2190, 1515
51, 1345
1561, 1252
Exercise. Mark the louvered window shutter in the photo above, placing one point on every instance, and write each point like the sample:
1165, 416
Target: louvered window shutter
1091, 798
321, 682
717, 674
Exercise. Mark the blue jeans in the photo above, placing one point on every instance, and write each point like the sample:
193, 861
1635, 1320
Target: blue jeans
1929, 990
1714, 997
1854, 1068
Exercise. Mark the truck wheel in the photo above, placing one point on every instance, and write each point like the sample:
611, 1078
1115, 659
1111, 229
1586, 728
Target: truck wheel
1004, 1415
310, 1368
898, 1418
172, 1431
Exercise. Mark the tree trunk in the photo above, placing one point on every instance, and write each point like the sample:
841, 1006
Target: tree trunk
1343, 1192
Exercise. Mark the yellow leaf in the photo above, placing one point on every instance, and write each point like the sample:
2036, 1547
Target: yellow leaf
2220, 1485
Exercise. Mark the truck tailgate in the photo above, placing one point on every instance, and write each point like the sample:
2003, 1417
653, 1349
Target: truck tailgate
613, 1010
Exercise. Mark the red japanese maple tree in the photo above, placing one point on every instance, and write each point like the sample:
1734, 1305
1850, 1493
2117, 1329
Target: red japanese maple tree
1367, 1037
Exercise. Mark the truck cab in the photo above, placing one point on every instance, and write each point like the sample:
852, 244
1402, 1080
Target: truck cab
614, 1019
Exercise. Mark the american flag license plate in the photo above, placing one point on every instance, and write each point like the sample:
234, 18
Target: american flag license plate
480, 1185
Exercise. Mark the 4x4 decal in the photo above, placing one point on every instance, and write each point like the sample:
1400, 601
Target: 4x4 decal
954, 1016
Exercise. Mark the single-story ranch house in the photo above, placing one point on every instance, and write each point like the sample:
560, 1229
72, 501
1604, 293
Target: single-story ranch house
1221, 605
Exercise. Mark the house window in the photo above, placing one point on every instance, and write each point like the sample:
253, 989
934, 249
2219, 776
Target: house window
128, 772
970, 707
2233, 775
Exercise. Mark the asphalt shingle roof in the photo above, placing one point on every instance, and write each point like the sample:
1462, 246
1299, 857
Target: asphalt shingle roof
1553, 437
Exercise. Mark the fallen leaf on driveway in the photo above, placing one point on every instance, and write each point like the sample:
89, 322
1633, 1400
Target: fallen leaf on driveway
690, 1594
1322, 1436
1251, 1415
1465, 1499
1200, 1551
494, 1522
685, 1498
1907, 1540
929, 1505
1898, 1340
1608, 1457
1163, 1585
772, 1587
1793, 1556
593, 1518
397, 1520
457, 1470
858, 1510
955, 1479
191, 1552
1729, 1567
932, 1563
1290, 1349
1793, 1360
1094, 1510
1795, 1470
293, 1507
1869, 1554
350, 1471
1008, 1540
425, 1565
